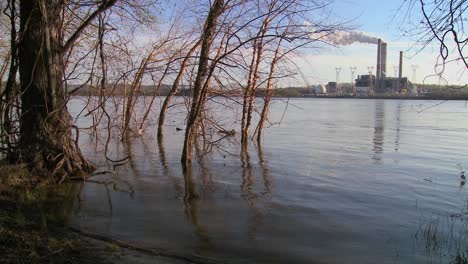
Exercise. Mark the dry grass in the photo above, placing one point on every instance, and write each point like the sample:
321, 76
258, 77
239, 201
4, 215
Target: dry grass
15, 176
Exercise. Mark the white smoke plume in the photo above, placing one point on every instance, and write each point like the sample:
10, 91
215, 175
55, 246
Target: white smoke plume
343, 38
340, 37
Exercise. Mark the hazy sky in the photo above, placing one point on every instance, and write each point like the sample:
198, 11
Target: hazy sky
379, 19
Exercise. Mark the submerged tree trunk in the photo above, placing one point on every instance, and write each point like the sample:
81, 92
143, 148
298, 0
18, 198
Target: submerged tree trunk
269, 93
45, 124
247, 92
197, 101
250, 93
174, 88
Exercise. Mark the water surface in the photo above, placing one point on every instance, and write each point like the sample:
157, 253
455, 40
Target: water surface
334, 181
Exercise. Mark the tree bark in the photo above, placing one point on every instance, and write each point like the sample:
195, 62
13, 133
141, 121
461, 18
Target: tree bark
207, 39
249, 97
247, 92
45, 124
7, 134
268, 93
174, 88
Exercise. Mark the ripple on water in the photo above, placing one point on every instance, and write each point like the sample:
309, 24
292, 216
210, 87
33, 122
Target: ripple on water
338, 181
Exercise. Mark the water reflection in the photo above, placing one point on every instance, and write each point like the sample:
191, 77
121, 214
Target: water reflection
128, 145
379, 128
192, 204
253, 198
41, 207
166, 168
277, 203
247, 175
397, 126
265, 170
205, 173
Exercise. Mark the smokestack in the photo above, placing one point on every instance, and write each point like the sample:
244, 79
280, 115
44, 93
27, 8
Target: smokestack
400, 68
379, 45
383, 60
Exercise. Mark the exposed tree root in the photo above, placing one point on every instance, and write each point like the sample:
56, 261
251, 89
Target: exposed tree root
53, 154
152, 252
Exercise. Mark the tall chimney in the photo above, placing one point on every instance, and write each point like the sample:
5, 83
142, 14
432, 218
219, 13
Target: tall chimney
400, 72
400, 67
379, 45
383, 60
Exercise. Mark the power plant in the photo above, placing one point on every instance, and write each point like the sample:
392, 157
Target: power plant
378, 84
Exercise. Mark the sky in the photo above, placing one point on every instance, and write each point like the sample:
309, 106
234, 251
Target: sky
380, 19
375, 18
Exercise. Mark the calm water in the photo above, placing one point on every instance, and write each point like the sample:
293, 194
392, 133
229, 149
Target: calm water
336, 181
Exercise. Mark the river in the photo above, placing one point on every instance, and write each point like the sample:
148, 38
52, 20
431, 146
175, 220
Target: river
335, 181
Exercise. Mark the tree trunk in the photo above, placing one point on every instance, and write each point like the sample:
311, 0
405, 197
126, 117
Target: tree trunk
247, 92
197, 103
249, 99
268, 94
45, 124
8, 95
174, 88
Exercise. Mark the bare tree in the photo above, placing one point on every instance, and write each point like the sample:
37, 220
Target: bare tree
239, 47
283, 31
438, 21
199, 89
175, 87
262, 33
42, 49
45, 129
9, 93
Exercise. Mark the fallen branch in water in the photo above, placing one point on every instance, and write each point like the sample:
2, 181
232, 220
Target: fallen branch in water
85, 178
152, 252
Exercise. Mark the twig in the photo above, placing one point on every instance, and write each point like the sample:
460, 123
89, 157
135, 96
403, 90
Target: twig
152, 252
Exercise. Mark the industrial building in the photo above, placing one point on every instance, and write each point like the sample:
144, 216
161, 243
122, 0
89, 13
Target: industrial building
364, 85
380, 83
332, 88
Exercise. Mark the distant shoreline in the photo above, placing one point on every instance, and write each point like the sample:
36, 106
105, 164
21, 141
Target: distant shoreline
397, 97
428, 93
379, 97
